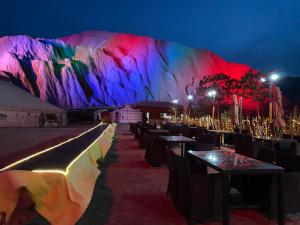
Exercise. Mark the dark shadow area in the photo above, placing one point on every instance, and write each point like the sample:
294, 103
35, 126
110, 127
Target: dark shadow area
99, 208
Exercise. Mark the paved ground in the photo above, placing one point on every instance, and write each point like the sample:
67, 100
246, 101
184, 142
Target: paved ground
131, 192
16, 143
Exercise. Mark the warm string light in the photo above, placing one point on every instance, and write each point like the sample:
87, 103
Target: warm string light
65, 172
48, 149
257, 126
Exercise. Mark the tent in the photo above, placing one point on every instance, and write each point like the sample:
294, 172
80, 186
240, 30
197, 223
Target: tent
19, 108
127, 115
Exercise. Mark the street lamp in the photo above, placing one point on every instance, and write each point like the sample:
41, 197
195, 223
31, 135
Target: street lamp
190, 97
274, 77
212, 94
175, 101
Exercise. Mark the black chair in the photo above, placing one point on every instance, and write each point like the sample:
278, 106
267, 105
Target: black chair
244, 145
174, 129
291, 186
142, 136
185, 131
243, 183
287, 146
172, 188
199, 196
155, 153
266, 155
290, 162
205, 138
165, 126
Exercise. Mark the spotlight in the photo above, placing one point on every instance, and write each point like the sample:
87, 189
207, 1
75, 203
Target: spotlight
212, 93
175, 101
274, 77
190, 97
263, 79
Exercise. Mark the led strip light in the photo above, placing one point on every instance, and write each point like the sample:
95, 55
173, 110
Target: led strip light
65, 172
53, 147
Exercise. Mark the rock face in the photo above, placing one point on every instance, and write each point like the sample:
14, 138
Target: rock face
100, 68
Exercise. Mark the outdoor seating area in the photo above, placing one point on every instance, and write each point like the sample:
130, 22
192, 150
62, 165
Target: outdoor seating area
150, 112
211, 171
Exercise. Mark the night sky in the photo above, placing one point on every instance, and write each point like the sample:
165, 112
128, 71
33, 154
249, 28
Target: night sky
264, 34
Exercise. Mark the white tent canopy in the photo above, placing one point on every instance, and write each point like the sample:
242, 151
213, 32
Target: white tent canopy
19, 108
127, 115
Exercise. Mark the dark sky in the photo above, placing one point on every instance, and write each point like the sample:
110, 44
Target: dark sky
262, 33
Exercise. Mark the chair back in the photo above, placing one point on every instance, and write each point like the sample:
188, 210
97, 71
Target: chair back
205, 138
244, 145
203, 147
287, 146
185, 131
266, 155
174, 129
290, 162
172, 183
184, 185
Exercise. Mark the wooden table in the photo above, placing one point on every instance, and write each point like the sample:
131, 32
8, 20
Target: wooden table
178, 139
228, 163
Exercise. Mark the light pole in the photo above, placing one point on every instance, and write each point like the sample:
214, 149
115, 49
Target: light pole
212, 94
190, 98
272, 78
175, 101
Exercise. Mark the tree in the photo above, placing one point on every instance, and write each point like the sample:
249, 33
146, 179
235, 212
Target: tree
248, 87
251, 87
222, 83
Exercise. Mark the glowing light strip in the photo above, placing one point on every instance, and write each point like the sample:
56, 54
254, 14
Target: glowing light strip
48, 149
73, 161
49, 171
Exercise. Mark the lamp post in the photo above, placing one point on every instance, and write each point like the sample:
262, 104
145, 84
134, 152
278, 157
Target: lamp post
212, 94
272, 78
190, 98
175, 101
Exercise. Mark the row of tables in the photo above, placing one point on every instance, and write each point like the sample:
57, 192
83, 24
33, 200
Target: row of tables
228, 163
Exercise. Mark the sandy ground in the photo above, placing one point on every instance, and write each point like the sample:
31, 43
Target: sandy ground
16, 143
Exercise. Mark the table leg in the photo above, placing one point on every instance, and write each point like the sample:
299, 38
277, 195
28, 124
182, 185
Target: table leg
281, 211
225, 204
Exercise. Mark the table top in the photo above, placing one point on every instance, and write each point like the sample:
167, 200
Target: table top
232, 163
62, 155
177, 139
158, 131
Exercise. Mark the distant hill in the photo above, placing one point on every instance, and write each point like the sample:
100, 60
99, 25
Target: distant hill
96, 68
290, 87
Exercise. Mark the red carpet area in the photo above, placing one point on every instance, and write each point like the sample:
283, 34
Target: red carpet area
131, 192
139, 191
